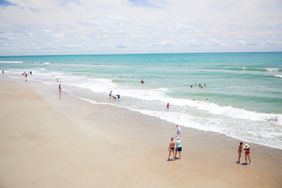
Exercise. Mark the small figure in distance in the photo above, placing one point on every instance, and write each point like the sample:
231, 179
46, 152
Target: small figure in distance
171, 147
178, 131
30, 72
167, 106
178, 148
142, 81
110, 94
247, 150
60, 87
118, 96
240, 149
3, 72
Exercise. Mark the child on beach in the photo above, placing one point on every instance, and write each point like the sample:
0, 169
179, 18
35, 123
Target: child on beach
247, 150
171, 147
178, 148
240, 149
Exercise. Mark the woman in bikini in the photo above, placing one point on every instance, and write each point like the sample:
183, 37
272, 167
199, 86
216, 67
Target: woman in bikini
247, 150
171, 147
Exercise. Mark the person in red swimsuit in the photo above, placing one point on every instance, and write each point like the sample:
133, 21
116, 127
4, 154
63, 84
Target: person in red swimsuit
171, 147
247, 150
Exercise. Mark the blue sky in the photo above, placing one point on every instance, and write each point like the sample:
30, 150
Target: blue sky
139, 26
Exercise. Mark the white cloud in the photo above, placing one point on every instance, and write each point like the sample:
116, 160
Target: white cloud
120, 26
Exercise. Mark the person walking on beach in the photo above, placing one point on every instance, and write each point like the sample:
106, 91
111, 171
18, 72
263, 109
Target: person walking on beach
247, 150
171, 147
60, 87
240, 149
110, 94
178, 148
178, 131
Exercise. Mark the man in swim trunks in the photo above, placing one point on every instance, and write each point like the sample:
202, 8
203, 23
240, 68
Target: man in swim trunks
240, 149
178, 148
171, 147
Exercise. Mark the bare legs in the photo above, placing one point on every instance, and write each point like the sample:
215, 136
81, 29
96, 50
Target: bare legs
171, 151
247, 157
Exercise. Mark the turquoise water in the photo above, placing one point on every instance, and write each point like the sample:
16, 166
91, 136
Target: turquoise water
241, 93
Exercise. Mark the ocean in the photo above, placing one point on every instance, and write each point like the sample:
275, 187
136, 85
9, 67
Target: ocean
236, 94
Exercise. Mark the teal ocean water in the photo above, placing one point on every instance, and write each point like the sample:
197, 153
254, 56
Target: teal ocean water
236, 94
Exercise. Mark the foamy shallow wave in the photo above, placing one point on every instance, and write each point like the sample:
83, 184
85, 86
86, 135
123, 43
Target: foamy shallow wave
11, 62
272, 69
228, 111
278, 76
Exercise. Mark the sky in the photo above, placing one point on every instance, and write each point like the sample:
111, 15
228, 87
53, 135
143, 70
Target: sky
33, 27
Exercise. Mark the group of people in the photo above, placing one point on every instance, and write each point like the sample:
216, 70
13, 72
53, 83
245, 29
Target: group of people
175, 147
199, 85
247, 151
117, 96
25, 74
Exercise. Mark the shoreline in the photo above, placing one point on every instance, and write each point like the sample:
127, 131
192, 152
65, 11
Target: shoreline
128, 139
251, 125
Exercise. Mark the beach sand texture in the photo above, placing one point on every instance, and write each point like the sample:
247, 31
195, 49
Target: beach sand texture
47, 141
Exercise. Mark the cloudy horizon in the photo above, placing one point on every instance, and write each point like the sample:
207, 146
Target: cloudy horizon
31, 27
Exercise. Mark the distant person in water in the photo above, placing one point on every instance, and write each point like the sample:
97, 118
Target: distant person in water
178, 148
3, 72
118, 96
171, 148
247, 150
60, 87
240, 149
167, 106
142, 81
110, 94
178, 131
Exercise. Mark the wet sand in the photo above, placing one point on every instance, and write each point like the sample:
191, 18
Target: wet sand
52, 141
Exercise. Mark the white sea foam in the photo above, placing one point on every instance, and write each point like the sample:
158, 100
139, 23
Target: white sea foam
11, 62
272, 69
278, 76
159, 94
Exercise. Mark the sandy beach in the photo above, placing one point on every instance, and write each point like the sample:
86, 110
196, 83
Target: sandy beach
52, 141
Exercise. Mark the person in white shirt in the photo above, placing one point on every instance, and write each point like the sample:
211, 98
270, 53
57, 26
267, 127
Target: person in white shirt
178, 131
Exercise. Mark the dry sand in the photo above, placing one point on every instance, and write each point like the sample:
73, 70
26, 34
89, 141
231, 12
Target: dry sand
47, 141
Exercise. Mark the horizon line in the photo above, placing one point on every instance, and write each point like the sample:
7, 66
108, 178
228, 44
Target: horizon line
136, 53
